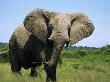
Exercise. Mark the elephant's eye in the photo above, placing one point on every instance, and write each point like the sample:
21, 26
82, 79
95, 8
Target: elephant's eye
69, 26
69, 29
50, 25
52, 28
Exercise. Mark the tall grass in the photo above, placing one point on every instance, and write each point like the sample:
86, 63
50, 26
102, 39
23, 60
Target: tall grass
72, 70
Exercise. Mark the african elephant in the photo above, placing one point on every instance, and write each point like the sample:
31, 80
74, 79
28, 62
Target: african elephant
41, 38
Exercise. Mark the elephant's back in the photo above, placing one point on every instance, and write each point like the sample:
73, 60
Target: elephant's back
21, 35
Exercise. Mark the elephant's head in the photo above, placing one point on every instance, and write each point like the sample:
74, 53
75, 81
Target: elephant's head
58, 27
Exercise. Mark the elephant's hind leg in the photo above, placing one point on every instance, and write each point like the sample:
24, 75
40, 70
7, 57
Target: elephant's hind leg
15, 66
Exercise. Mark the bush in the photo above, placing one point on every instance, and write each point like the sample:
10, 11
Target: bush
4, 57
104, 58
74, 53
4, 47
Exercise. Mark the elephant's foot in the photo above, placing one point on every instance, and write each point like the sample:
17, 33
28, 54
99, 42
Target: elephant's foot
50, 80
33, 72
17, 73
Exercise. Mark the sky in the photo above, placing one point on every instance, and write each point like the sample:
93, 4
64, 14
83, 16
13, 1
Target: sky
13, 12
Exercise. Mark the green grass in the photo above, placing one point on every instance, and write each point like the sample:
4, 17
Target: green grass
7, 76
72, 70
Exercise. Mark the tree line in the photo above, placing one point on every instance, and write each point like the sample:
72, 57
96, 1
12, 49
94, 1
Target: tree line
70, 52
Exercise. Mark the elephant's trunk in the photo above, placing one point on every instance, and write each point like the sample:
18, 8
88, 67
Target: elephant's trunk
55, 55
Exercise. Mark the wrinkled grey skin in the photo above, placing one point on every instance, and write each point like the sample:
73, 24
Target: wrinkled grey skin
42, 38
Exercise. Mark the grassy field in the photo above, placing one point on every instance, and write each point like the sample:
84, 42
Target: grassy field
72, 70
77, 64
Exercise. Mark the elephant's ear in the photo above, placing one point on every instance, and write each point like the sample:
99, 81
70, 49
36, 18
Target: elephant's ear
36, 22
81, 27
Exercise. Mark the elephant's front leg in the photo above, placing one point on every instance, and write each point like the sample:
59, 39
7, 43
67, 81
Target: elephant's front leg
50, 68
51, 74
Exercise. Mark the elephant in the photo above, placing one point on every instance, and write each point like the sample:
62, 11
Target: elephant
41, 38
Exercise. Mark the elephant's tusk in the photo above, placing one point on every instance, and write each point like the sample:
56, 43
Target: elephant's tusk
49, 38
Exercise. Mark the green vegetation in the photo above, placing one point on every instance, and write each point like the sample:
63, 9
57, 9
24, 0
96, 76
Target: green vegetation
72, 70
77, 64
4, 53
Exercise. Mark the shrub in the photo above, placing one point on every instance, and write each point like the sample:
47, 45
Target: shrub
4, 57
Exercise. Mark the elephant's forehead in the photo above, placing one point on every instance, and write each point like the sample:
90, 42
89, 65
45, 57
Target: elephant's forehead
63, 19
